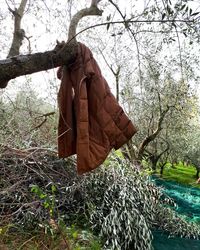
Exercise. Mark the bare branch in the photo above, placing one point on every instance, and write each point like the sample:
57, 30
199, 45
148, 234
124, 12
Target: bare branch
95, 2
180, 54
44, 120
92, 11
19, 33
151, 137
115, 73
134, 37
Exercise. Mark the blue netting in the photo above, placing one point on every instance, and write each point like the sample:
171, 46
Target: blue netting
163, 242
188, 201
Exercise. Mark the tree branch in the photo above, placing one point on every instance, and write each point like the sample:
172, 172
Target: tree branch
115, 73
93, 10
44, 120
28, 64
151, 137
134, 37
9, 69
60, 55
19, 33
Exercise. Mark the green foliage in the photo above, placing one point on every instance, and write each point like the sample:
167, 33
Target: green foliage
82, 239
118, 212
118, 203
48, 201
126, 205
181, 173
63, 238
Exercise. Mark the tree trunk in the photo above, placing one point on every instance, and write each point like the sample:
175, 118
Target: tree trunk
18, 34
162, 168
154, 161
197, 173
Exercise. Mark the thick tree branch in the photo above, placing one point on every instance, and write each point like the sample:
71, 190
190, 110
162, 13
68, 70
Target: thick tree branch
93, 10
10, 70
28, 64
164, 151
151, 137
18, 34
61, 55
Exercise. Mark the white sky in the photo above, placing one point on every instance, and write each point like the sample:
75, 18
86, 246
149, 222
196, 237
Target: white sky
45, 30
42, 40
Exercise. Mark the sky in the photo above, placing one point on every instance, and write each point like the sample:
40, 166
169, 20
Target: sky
45, 27
42, 38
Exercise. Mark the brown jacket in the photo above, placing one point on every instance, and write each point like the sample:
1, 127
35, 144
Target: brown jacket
91, 121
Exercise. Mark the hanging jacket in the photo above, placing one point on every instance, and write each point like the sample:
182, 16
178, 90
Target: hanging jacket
91, 121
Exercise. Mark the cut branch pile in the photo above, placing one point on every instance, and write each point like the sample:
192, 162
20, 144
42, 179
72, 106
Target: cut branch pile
19, 171
116, 195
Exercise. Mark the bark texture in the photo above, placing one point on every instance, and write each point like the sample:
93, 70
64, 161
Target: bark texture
18, 34
62, 54
28, 64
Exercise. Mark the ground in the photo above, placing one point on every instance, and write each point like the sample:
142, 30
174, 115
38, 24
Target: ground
182, 174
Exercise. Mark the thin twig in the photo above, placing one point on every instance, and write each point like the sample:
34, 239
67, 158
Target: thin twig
26, 242
180, 53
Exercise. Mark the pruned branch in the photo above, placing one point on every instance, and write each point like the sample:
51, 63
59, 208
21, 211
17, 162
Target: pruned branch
28, 64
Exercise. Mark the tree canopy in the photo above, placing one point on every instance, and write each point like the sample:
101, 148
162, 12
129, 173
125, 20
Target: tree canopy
148, 52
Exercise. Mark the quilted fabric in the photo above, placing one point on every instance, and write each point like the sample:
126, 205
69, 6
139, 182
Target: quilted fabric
91, 121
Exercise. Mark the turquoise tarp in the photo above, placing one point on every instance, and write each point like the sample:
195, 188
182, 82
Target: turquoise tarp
188, 201
162, 242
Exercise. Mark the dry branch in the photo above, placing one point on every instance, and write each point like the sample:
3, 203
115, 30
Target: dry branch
21, 168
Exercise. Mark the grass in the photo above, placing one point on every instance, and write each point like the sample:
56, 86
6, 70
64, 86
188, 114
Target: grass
69, 239
182, 174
